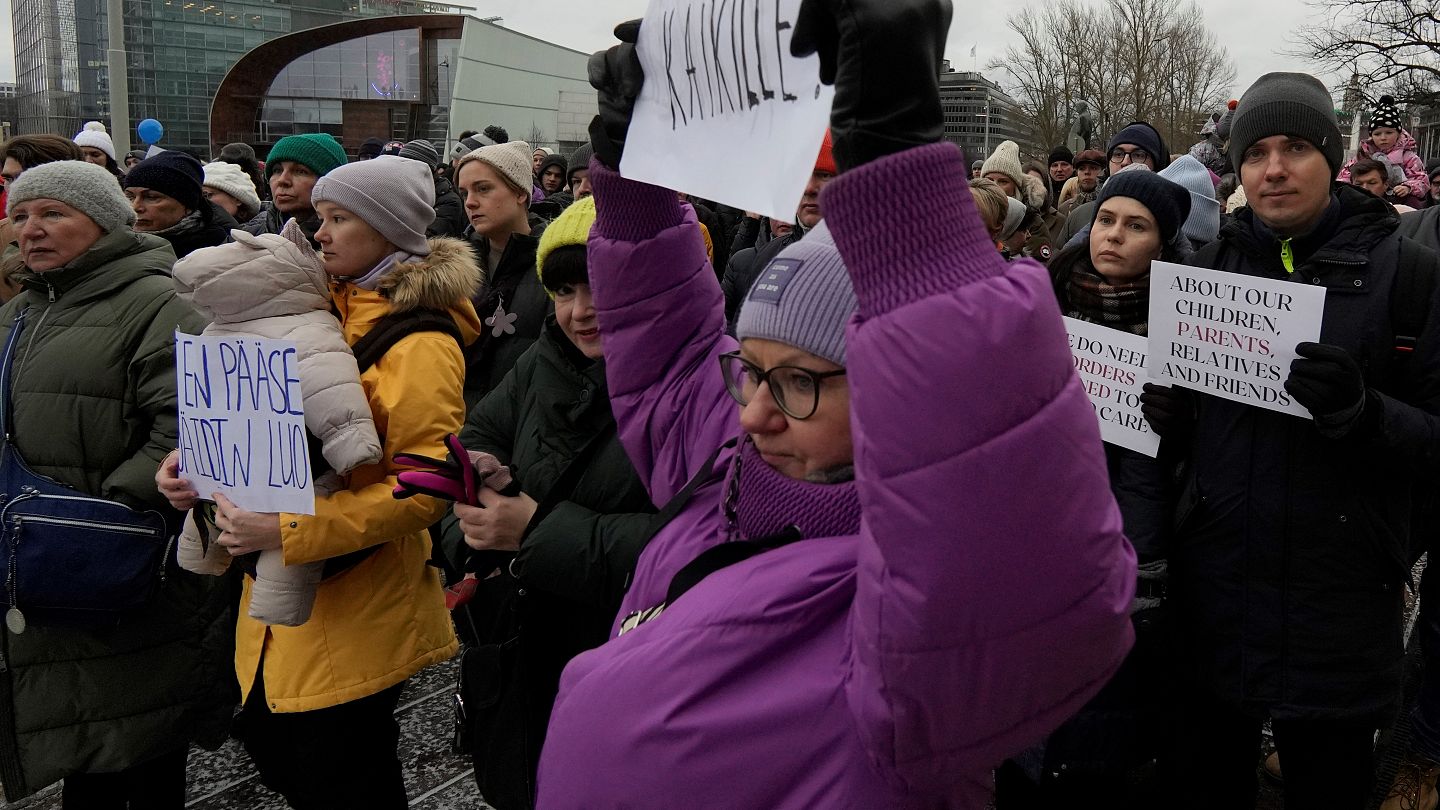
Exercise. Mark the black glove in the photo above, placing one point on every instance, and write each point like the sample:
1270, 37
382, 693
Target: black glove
1327, 381
883, 56
1169, 410
617, 77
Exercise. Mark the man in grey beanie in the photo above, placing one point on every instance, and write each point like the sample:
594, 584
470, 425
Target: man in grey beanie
1295, 537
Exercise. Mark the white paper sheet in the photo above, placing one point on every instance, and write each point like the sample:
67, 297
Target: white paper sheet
242, 422
1230, 335
1111, 364
726, 112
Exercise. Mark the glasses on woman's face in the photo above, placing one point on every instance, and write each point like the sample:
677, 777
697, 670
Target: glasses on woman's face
795, 390
1121, 156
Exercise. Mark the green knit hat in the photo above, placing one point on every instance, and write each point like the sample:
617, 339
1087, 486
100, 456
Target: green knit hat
318, 151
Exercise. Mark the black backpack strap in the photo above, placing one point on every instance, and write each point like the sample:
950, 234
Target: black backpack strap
397, 326
368, 350
1410, 299
723, 556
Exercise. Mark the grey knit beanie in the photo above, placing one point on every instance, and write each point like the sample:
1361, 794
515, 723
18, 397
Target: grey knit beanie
87, 188
393, 195
510, 159
423, 151
1294, 104
802, 299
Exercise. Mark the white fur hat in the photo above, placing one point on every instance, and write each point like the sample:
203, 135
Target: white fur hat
94, 135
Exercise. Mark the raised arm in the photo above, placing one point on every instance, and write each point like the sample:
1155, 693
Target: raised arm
662, 320
994, 583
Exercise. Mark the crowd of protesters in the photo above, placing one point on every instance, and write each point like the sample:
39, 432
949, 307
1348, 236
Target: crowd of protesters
845, 538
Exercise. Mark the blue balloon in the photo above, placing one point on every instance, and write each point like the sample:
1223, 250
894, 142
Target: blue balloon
150, 130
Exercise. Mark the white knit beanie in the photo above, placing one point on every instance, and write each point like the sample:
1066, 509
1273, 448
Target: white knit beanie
232, 180
94, 135
393, 195
512, 160
1006, 160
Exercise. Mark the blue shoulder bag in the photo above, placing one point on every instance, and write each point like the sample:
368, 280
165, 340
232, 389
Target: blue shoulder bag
68, 557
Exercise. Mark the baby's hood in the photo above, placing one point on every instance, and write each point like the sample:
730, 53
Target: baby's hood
254, 277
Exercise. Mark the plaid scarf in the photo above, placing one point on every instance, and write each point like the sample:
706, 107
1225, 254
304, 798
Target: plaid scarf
1119, 306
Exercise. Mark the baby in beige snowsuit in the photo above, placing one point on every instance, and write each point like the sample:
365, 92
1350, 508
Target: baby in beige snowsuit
275, 286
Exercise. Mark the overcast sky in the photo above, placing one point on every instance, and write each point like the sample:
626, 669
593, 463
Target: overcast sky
586, 25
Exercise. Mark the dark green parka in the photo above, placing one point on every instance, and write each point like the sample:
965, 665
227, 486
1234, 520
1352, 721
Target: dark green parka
576, 558
93, 394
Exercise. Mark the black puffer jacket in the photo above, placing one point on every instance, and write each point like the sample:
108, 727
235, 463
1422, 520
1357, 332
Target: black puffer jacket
512, 305
576, 558
744, 267
1291, 550
450, 217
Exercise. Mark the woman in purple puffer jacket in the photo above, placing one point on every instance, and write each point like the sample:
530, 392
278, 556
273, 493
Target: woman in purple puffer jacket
943, 578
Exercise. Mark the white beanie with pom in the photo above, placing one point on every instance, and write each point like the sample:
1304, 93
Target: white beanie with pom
94, 135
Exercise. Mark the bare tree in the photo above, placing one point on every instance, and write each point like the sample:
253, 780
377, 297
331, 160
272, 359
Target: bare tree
1387, 45
1150, 60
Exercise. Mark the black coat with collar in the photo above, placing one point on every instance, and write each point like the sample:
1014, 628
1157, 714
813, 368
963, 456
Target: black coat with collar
512, 305
1291, 550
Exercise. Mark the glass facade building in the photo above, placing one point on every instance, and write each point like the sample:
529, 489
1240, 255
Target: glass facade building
177, 52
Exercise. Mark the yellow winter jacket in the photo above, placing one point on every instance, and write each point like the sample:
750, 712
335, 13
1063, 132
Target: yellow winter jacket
383, 620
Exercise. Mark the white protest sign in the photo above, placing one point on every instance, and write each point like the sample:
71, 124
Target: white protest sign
1111, 365
1230, 335
242, 422
720, 80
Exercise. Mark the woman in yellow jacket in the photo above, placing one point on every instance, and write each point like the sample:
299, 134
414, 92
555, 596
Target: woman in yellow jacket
320, 698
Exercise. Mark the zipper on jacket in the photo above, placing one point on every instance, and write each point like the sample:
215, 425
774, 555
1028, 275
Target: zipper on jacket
89, 524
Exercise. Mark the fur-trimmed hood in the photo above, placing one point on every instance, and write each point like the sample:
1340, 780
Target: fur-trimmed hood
448, 276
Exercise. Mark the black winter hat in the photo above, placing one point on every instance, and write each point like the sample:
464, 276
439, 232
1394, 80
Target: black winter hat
1168, 202
1059, 154
1385, 114
1293, 104
579, 159
174, 174
554, 160
1141, 134
370, 149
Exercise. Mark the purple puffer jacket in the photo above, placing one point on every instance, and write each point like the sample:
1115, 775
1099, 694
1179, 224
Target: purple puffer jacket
987, 595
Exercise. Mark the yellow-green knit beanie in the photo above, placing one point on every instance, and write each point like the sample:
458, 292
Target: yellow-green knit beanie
572, 227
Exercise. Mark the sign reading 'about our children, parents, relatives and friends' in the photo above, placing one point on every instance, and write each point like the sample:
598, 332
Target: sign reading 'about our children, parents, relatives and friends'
1111, 366
242, 422
719, 77
1230, 335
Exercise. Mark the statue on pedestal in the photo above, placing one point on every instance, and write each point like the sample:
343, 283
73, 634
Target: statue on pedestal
1082, 129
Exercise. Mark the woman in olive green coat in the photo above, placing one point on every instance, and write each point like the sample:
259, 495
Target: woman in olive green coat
110, 708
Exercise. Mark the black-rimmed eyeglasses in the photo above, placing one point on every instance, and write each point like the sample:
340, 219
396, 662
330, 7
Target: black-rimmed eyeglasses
796, 390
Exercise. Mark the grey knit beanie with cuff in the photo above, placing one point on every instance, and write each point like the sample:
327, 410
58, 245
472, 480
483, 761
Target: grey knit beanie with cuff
393, 195
1294, 104
803, 298
87, 188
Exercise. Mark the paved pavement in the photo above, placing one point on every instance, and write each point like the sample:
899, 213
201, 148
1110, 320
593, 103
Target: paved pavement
435, 779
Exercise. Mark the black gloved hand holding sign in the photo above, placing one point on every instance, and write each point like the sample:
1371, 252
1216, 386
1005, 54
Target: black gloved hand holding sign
617, 77
883, 56
1328, 382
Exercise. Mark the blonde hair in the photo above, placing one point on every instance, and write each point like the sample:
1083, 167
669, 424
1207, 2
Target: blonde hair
991, 202
1070, 189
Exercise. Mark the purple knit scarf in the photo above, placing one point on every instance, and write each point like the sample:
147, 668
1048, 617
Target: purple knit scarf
766, 502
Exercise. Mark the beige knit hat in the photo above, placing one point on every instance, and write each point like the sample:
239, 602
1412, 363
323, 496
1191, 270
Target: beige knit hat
1006, 160
232, 180
512, 160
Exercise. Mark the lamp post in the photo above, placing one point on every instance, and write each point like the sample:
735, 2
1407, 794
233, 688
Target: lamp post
449, 101
119, 84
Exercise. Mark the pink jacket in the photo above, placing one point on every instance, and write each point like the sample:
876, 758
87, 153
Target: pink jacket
1402, 155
